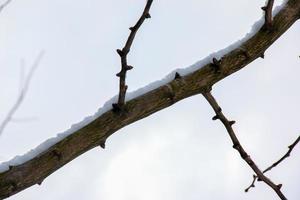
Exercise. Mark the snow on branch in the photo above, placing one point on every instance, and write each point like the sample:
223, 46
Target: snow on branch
21, 172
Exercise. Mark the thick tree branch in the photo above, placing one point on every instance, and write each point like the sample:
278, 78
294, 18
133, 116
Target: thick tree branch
36, 170
285, 156
123, 54
237, 145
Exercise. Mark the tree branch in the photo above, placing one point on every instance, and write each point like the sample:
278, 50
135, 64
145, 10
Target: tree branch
268, 14
237, 145
123, 55
291, 147
37, 169
22, 94
4, 5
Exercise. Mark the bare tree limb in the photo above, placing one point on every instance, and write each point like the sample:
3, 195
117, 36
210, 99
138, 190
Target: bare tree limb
23, 92
40, 167
285, 156
237, 145
268, 14
123, 55
4, 5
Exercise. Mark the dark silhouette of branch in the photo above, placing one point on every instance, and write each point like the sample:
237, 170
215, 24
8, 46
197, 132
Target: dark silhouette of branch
285, 156
268, 14
34, 171
4, 5
123, 55
23, 92
237, 145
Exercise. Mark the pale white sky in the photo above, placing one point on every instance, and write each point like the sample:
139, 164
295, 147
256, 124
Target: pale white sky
178, 153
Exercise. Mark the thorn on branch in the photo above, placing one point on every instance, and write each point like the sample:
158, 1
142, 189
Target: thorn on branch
231, 123
120, 52
129, 67
177, 76
148, 16
216, 117
262, 55
40, 182
102, 144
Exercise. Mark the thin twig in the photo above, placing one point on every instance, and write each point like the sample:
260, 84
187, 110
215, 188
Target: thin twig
285, 156
237, 145
123, 54
22, 93
4, 5
268, 14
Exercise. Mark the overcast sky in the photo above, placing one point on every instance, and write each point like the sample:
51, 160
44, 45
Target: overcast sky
178, 153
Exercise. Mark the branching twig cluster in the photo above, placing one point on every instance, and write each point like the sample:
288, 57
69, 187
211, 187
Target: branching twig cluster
20, 177
123, 55
23, 91
291, 147
237, 145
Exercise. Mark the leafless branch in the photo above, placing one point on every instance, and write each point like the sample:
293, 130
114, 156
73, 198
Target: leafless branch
4, 5
268, 13
237, 145
285, 156
22, 93
123, 55
37, 169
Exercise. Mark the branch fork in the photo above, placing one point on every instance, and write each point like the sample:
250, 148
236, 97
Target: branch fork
237, 145
268, 14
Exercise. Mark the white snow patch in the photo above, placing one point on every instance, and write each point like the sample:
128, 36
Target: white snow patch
18, 160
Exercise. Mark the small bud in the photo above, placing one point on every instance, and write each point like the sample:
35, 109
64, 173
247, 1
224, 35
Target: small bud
215, 117
102, 145
147, 16
120, 52
231, 123
177, 76
118, 74
264, 8
279, 186
262, 55
40, 182
131, 28
129, 67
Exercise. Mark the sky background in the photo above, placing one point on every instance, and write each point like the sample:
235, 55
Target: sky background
177, 153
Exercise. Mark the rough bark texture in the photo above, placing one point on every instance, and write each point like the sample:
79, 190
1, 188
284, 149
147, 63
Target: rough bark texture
36, 170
